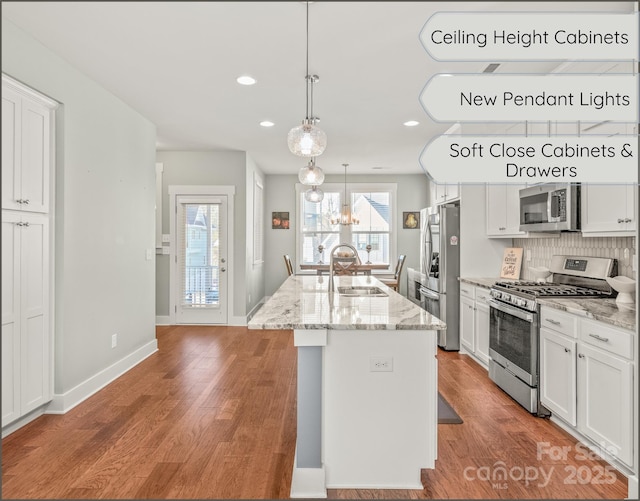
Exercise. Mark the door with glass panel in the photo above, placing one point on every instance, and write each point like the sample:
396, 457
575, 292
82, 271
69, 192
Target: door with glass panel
201, 257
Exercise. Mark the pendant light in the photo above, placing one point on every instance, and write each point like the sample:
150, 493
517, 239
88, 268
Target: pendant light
314, 194
346, 217
311, 175
308, 140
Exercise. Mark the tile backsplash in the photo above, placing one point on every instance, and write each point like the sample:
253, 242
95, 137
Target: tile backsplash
574, 244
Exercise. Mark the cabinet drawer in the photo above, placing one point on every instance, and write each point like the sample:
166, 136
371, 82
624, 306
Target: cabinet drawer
482, 294
559, 321
617, 341
467, 290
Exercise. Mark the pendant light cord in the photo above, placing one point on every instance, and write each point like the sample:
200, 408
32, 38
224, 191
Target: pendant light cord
307, 77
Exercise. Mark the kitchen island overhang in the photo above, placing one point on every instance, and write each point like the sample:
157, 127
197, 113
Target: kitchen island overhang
367, 384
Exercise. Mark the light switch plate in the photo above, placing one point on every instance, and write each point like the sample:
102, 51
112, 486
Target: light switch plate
149, 254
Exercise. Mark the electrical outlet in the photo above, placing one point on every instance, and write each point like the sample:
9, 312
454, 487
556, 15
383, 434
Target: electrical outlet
149, 254
114, 340
381, 364
166, 238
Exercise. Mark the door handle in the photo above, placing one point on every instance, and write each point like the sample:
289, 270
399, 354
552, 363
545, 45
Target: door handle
223, 269
567, 350
223, 260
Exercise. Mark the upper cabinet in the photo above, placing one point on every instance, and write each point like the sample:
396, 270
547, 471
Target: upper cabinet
26, 150
443, 193
608, 210
503, 211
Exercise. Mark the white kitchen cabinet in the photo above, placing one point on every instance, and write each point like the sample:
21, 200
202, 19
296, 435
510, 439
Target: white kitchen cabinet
26, 150
608, 210
474, 322
467, 327
558, 374
26, 331
586, 379
503, 211
482, 319
444, 193
605, 399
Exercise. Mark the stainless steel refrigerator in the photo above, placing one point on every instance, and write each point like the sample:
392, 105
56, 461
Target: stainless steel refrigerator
440, 265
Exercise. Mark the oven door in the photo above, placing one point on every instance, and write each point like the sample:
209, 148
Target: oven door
513, 340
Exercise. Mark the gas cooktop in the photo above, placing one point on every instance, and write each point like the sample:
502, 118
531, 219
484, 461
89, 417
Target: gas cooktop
572, 277
538, 289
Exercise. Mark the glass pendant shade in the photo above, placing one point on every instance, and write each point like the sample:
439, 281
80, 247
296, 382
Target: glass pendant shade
314, 194
346, 216
307, 140
311, 175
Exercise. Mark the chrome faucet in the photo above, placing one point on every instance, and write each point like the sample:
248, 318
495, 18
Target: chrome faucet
331, 257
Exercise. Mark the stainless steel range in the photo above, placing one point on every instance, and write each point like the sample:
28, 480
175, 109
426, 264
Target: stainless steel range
514, 329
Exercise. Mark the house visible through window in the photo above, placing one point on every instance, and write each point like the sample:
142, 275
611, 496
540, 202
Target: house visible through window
374, 205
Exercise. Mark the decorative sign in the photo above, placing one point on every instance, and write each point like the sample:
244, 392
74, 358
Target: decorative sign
511, 263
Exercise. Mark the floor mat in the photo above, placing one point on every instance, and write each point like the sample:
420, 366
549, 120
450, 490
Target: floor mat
446, 414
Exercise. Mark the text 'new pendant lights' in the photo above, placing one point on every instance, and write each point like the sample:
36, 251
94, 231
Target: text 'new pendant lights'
308, 140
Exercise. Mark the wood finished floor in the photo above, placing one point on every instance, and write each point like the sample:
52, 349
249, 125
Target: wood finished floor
212, 416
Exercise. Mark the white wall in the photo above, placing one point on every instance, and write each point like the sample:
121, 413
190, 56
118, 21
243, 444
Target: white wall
412, 195
104, 214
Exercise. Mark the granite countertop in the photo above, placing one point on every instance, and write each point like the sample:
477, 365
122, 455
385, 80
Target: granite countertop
487, 283
303, 302
604, 310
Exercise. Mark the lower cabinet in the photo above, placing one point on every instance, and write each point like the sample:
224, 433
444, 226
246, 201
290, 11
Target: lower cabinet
605, 401
558, 374
586, 379
474, 321
26, 333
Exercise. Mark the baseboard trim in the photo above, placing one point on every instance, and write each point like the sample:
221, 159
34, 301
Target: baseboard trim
24, 420
307, 482
632, 489
163, 320
64, 402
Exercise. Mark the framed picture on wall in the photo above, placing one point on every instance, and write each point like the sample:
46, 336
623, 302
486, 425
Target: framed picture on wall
411, 220
280, 220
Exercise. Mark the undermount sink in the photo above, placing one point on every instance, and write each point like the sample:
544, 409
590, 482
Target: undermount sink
361, 291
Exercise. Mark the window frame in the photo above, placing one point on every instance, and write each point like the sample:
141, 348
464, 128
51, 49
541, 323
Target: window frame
345, 231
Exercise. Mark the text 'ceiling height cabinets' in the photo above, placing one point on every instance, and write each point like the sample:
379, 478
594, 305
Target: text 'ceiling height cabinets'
27, 267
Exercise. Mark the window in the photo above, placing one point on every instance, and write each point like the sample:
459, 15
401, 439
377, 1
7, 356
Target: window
374, 205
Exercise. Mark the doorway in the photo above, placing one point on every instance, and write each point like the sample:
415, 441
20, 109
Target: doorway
200, 265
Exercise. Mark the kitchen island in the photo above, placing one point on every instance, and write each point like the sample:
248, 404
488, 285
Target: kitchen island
367, 384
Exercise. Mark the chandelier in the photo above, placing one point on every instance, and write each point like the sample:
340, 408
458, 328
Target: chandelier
308, 140
346, 216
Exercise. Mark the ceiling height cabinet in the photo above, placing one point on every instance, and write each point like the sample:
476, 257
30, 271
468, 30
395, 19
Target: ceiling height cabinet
26, 152
444, 193
27, 260
608, 210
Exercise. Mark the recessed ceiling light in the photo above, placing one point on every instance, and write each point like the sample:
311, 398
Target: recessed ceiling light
411, 123
246, 80
267, 123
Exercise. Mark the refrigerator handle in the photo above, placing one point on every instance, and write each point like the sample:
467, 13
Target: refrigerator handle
427, 246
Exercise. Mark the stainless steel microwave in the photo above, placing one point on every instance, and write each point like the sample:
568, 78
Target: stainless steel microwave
550, 207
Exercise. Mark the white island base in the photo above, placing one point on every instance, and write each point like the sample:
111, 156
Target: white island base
359, 426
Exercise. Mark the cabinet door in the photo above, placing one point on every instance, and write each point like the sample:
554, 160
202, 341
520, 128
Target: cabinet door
558, 374
10, 317
496, 217
34, 304
453, 191
36, 156
512, 210
605, 396
467, 335
440, 192
11, 151
605, 209
481, 324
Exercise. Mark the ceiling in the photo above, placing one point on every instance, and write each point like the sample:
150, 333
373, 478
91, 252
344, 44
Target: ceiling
177, 62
